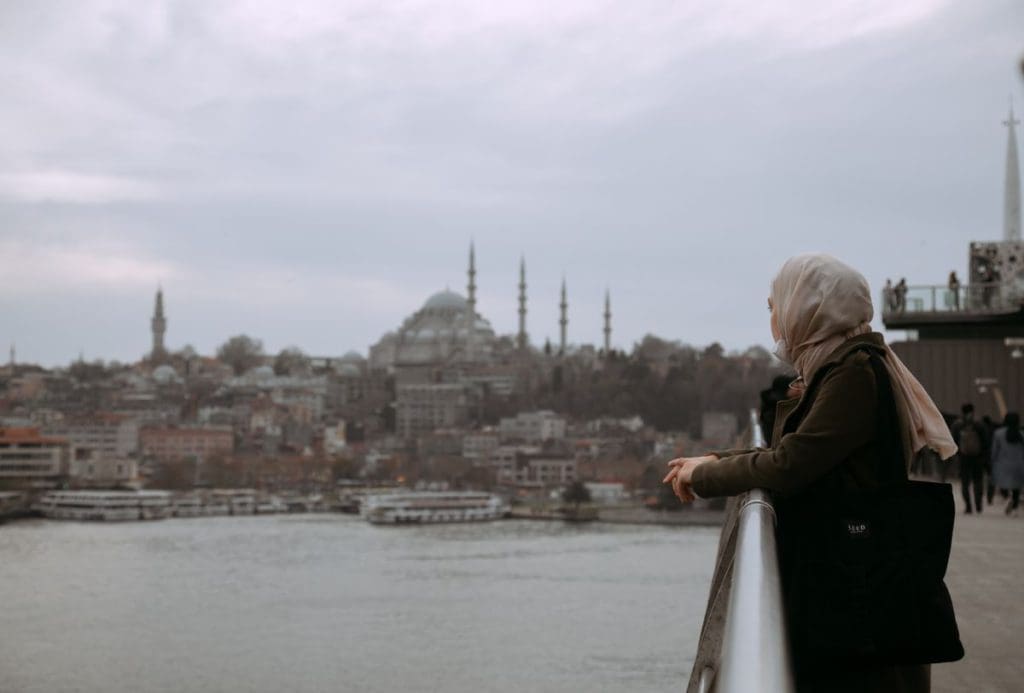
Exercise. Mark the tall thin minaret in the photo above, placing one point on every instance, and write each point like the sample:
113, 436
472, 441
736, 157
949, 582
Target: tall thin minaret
11, 363
159, 325
607, 323
1011, 209
471, 302
563, 321
522, 340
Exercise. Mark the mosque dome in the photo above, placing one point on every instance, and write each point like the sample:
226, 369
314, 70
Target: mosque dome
445, 300
440, 332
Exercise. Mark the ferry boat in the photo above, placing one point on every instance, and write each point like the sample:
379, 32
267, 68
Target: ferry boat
238, 501
430, 507
105, 505
215, 506
270, 506
188, 506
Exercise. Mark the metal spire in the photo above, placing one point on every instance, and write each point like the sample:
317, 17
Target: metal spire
1011, 208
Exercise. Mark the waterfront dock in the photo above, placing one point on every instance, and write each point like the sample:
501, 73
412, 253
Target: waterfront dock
986, 581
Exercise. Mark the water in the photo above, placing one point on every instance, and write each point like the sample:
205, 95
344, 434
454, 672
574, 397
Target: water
330, 603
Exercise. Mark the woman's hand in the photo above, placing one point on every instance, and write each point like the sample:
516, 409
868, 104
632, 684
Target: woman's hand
681, 475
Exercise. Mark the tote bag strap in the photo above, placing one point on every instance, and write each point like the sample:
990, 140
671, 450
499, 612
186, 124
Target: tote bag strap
890, 463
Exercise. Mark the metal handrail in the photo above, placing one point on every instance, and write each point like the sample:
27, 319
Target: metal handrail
755, 648
754, 654
977, 297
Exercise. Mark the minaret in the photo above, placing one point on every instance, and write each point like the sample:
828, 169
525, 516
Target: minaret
522, 340
607, 323
1011, 209
11, 363
563, 321
159, 325
471, 302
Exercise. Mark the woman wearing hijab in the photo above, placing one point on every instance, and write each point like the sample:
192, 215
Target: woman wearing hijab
1008, 460
820, 320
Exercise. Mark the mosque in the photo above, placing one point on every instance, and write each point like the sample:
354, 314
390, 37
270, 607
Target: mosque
444, 358
448, 340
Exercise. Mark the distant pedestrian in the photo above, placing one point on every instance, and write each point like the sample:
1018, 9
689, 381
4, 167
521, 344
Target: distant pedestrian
969, 435
1008, 460
900, 293
770, 398
988, 280
990, 487
954, 291
889, 296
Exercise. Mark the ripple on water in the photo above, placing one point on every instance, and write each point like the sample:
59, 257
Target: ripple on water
321, 602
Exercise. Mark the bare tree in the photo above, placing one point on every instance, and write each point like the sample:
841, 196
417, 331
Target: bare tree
241, 352
291, 361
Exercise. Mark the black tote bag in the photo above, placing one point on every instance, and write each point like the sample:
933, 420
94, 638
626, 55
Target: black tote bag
863, 570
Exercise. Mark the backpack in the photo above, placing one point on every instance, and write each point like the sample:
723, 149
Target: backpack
970, 441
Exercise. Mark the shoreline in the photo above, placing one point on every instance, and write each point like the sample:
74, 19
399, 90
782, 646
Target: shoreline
634, 516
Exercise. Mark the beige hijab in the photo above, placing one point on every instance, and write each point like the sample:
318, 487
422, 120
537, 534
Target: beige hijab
819, 303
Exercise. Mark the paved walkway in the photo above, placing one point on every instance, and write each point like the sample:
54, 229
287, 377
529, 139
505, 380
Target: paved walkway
986, 580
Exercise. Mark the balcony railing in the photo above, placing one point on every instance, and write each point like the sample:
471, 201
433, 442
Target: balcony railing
743, 642
996, 297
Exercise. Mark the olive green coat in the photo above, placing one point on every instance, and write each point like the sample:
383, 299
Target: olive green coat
837, 429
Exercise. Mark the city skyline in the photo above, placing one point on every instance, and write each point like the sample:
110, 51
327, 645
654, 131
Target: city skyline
310, 176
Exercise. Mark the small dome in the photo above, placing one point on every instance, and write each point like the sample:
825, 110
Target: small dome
352, 357
261, 372
445, 300
165, 374
349, 370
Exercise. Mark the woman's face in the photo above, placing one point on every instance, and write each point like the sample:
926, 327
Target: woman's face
774, 322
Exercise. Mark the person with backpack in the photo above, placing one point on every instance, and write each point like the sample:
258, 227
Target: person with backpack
1008, 460
972, 446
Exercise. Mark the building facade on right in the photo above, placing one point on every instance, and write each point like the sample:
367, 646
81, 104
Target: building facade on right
965, 341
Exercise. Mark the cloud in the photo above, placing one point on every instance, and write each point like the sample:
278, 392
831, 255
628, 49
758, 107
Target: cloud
326, 163
68, 186
32, 268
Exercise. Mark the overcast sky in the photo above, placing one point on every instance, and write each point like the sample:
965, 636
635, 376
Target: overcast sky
310, 172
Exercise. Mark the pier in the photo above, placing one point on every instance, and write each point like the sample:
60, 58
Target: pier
743, 640
743, 635
986, 580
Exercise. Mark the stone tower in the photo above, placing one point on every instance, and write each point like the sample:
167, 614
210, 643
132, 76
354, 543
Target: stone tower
159, 326
521, 339
563, 321
471, 302
607, 323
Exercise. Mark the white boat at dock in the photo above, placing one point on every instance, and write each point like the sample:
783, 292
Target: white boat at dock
432, 507
104, 505
188, 506
216, 507
238, 501
270, 506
